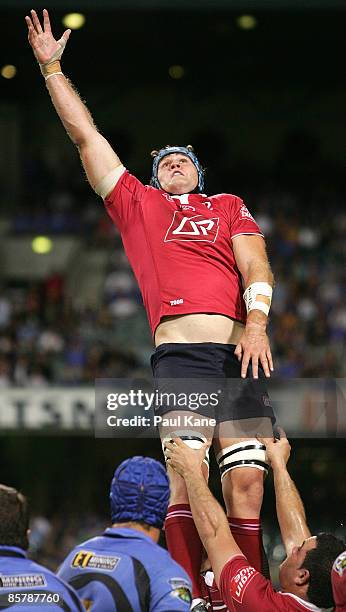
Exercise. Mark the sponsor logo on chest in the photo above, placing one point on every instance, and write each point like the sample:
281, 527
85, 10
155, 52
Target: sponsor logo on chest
192, 228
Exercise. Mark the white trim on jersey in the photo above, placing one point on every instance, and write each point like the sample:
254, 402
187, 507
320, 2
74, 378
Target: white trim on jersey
183, 198
106, 185
247, 234
306, 604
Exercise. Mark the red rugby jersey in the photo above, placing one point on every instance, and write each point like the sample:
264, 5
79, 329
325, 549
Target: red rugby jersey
339, 582
211, 593
180, 248
244, 589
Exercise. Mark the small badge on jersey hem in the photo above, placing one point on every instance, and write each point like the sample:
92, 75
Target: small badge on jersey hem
85, 559
180, 589
240, 582
22, 581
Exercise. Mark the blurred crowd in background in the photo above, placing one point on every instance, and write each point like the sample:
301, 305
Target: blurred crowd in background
47, 338
266, 122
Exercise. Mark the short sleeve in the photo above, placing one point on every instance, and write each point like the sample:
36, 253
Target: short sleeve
244, 589
123, 201
242, 221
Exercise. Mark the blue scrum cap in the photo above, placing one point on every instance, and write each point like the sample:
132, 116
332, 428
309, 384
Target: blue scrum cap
188, 151
140, 492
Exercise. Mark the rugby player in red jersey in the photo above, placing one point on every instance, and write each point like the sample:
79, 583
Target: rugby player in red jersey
305, 575
193, 257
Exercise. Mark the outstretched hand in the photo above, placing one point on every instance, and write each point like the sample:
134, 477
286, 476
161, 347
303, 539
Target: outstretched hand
183, 458
46, 49
277, 450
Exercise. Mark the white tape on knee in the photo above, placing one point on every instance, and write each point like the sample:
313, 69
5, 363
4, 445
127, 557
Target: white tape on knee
249, 453
193, 439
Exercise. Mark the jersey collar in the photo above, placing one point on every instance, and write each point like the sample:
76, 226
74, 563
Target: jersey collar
12, 551
306, 604
126, 532
184, 197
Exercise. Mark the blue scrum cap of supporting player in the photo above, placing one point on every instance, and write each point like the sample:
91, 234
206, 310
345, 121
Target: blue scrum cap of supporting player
158, 155
140, 492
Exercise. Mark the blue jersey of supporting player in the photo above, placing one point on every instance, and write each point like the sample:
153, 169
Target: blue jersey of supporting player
25, 585
125, 570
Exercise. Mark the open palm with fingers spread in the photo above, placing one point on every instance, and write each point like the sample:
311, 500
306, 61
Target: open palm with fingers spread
46, 49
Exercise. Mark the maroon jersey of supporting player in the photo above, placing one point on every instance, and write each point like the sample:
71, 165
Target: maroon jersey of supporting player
339, 582
243, 589
180, 248
211, 593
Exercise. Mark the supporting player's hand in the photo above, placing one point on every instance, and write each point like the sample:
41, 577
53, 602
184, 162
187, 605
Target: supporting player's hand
277, 450
183, 458
46, 49
253, 347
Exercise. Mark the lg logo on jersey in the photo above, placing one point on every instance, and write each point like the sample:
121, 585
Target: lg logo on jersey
195, 228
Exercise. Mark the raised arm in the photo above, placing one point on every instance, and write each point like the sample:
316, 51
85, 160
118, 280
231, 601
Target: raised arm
252, 262
97, 156
289, 506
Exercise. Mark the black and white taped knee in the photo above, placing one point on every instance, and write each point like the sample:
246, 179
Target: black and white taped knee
249, 453
193, 439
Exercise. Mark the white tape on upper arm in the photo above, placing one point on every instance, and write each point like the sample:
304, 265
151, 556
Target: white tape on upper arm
108, 182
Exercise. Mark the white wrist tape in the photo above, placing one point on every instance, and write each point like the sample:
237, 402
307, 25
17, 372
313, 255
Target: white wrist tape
58, 53
52, 74
108, 182
251, 293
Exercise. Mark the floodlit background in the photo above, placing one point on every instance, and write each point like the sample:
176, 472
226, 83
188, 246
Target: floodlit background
258, 89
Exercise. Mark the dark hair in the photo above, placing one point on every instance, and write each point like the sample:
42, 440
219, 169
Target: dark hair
319, 561
14, 518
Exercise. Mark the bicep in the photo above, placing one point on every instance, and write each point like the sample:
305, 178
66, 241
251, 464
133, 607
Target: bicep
98, 158
249, 250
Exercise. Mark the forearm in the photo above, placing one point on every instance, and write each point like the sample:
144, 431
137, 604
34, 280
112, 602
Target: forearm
97, 156
72, 111
207, 513
290, 509
258, 271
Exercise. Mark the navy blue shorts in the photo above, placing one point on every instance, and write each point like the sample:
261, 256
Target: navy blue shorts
214, 372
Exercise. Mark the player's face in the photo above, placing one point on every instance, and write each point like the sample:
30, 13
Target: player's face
177, 174
291, 569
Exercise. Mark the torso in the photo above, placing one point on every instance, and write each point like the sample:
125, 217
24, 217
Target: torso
198, 328
180, 249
